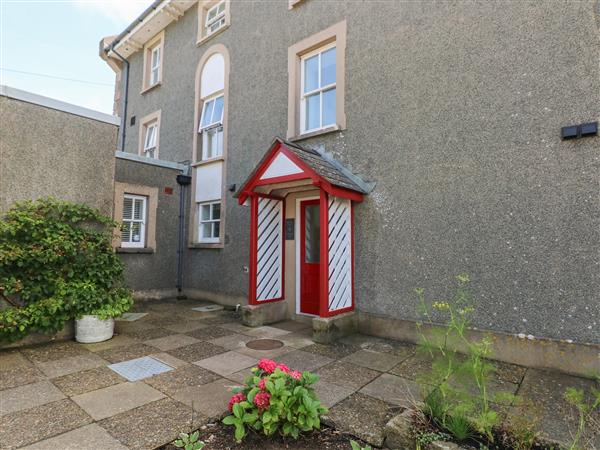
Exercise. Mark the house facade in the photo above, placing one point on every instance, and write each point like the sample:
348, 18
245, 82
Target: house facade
342, 154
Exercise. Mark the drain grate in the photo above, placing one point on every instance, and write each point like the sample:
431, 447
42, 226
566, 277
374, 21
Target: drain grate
208, 308
130, 317
140, 368
264, 344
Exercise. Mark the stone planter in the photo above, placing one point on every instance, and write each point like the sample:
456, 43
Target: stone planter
90, 329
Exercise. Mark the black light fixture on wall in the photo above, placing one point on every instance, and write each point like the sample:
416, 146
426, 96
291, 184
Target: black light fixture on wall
579, 131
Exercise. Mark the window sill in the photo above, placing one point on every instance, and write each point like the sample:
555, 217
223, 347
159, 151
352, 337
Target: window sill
203, 39
315, 133
200, 245
149, 88
208, 161
145, 250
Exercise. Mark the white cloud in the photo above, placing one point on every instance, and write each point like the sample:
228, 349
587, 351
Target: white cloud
120, 11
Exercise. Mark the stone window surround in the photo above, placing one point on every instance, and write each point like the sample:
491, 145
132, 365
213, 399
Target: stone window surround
335, 33
158, 40
203, 7
144, 122
151, 193
196, 147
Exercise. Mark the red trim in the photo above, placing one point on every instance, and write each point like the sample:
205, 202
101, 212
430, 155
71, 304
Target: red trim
344, 193
253, 249
324, 257
274, 197
282, 179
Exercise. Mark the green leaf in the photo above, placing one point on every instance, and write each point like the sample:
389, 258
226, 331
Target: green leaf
229, 420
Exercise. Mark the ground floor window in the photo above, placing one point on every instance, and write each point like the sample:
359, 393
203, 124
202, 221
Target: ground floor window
133, 232
209, 223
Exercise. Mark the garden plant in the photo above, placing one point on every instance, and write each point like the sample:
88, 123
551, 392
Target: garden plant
275, 399
57, 264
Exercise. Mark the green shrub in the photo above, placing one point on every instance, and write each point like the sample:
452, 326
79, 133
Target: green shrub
189, 441
585, 406
456, 390
275, 399
56, 264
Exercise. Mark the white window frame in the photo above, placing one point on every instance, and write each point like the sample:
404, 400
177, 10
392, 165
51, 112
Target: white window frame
210, 239
155, 67
320, 90
214, 128
142, 221
219, 18
148, 147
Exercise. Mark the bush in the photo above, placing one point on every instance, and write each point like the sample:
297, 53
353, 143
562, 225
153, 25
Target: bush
275, 399
56, 264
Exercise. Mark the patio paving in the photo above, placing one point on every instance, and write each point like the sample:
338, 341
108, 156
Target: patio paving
63, 395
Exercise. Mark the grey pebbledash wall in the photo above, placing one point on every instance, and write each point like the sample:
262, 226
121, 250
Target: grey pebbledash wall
454, 110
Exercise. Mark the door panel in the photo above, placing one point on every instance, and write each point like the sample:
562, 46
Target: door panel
310, 253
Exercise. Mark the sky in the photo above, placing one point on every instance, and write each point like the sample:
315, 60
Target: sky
59, 39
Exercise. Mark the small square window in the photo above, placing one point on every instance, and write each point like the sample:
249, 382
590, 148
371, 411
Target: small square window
209, 223
215, 18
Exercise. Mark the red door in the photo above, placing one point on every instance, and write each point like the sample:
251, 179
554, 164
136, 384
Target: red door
310, 252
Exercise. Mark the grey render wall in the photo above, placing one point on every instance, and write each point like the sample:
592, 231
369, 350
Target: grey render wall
158, 270
47, 152
454, 109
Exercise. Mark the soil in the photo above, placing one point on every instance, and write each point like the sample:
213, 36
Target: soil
220, 437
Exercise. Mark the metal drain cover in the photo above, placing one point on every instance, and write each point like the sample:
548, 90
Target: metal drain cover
264, 344
140, 368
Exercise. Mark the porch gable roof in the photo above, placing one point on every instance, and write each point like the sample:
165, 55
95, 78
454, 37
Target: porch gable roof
286, 161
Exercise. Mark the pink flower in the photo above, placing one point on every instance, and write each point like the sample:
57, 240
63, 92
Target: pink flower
283, 368
261, 400
236, 398
296, 375
262, 384
267, 365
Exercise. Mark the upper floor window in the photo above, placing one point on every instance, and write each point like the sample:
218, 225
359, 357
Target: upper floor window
213, 17
210, 222
133, 231
153, 62
211, 127
316, 68
149, 135
318, 84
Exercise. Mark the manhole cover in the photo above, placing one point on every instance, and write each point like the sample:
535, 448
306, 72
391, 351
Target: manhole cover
264, 344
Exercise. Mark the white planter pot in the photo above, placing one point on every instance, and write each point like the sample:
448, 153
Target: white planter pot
90, 329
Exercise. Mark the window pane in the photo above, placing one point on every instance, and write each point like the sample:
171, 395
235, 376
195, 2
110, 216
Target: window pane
125, 232
311, 73
205, 214
154, 76
150, 137
216, 229
328, 67
217, 116
138, 210
221, 8
216, 211
206, 230
329, 107
312, 237
207, 114
313, 113
136, 232
127, 208
156, 57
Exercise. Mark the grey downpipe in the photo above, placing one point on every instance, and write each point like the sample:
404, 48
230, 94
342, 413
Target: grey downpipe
183, 181
125, 98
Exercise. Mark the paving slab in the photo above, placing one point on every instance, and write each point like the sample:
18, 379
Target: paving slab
150, 426
19, 375
303, 361
237, 327
151, 333
292, 325
209, 399
119, 354
541, 396
185, 326
297, 340
88, 437
373, 360
163, 319
131, 327
118, 340
171, 382
65, 366
171, 342
241, 376
196, 352
346, 374
398, 348
169, 360
393, 389
53, 351
87, 380
413, 368
334, 351
210, 332
41, 422
265, 332
363, 417
115, 399
28, 396
232, 341
276, 354
12, 359
227, 363
330, 394
510, 373
131, 316
208, 308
